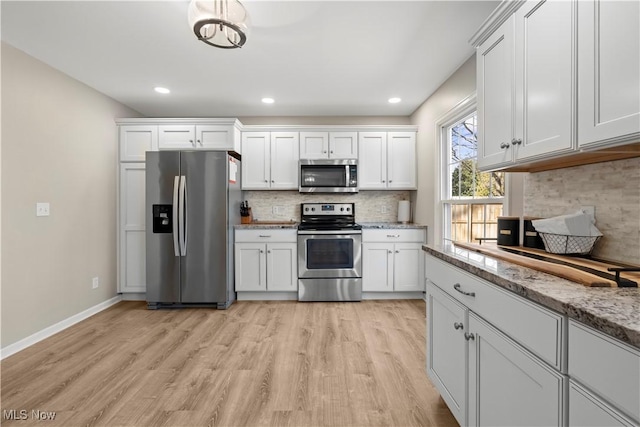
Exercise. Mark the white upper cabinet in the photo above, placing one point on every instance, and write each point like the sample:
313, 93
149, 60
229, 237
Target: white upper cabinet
387, 160
343, 145
608, 72
256, 160
270, 160
401, 160
198, 137
526, 82
544, 78
314, 145
372, 163
556, 78
284, 160
136, 140
328, 145
495, 97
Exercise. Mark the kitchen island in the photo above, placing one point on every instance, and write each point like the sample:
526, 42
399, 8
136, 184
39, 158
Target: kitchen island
613, 311
510, 345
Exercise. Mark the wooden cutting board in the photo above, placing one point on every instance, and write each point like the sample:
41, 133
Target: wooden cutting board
565, 271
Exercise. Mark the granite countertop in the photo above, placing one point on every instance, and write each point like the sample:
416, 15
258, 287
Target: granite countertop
386, 225
614, 311
267, 225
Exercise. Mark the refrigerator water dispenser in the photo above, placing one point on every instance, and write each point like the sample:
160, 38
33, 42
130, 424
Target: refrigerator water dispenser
162, 218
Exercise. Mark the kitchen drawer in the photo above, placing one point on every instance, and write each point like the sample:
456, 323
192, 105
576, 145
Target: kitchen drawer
586, 409
393, 235
606, 366
266, 235
535, 327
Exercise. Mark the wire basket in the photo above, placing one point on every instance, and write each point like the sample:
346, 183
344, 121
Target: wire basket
567, 244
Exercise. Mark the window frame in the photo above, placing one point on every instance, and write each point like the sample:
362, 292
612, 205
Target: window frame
442, 228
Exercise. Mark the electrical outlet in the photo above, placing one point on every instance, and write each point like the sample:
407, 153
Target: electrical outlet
42, 209
95, 282
275, 210
384, 209
591, 210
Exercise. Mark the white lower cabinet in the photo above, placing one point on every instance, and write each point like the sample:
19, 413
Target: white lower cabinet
266, 260
486, 376
508, 385
603, 369
447, 353
392, 260
588, 410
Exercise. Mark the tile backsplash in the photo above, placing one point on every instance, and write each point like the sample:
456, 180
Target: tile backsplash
612, 187
371, 206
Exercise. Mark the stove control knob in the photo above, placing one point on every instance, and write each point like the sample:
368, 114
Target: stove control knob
342, 209
313, 209
348, 209
306, 209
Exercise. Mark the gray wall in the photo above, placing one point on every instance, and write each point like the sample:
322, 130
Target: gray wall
459, 86
59, 145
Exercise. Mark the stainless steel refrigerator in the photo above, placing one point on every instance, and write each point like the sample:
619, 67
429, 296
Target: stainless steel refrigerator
193, 201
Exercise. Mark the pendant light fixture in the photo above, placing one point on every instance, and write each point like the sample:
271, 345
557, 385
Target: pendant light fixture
220, 23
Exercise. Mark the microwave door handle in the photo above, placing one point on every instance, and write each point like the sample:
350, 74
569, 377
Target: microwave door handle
346, 177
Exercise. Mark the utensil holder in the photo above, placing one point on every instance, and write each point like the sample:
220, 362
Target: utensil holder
246, 219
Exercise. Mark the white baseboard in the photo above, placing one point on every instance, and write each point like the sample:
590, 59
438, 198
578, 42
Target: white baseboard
134, 296
392, 295
267, 296
58, 327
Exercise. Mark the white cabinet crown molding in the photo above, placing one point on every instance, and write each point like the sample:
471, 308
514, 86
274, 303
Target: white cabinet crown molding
495, 20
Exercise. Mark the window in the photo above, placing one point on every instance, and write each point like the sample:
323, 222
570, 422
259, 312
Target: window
471, 200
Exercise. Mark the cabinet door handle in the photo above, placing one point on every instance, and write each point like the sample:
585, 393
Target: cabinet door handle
266, 180
504, 145
199, 142
468, 336
261, 251
331, 151
397, 252
269, 252
390, 180
272, 180
458, 325
324, 152
383, 180
457, 288
390, 252
516, 141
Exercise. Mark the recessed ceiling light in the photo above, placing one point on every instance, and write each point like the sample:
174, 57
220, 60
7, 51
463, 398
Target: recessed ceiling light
163, 90
394, 100
268, 100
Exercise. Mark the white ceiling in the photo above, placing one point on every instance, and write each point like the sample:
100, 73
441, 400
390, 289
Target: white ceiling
316, 58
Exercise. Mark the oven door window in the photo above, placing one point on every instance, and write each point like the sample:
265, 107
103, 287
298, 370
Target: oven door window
323, 176
329, 254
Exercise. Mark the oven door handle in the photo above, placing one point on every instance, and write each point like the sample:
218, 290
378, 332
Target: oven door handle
330, 232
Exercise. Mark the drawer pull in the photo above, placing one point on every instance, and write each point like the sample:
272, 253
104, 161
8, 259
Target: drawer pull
393, 235
264, 235
468, 336
458, 325
457, 288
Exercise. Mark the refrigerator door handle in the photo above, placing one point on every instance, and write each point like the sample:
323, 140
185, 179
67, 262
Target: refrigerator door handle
176, 249
182, 212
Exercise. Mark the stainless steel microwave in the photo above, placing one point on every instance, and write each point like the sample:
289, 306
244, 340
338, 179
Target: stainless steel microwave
329, 176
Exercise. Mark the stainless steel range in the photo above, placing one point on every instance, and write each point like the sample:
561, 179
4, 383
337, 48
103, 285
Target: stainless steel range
329, 253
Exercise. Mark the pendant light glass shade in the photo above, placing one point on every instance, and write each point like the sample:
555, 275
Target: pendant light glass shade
220, 23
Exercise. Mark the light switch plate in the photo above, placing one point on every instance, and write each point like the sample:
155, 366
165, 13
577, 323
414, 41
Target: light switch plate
42, 209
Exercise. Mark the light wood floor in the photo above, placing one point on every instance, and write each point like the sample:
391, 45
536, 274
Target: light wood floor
256, 364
